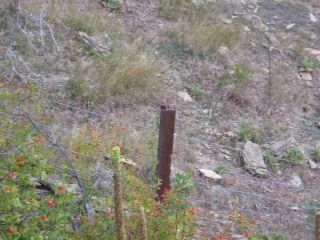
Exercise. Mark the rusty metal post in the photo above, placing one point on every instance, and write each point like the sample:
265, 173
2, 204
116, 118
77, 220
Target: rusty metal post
165, 147
318, 226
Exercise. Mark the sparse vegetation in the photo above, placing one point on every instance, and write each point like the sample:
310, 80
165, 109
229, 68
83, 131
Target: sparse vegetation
202, 39
173, 9
317, 154
309, 63
113, 4
92, 79
294, 155
246, 131
271, 159
222, 168
88, 21
127, 75
197, 92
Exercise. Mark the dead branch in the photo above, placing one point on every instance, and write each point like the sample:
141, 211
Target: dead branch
69, 160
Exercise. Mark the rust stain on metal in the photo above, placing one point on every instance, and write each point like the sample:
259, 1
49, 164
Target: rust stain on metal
318, 226
165, 148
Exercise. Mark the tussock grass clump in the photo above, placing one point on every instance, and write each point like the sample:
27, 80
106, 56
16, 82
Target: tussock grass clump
204, 39
126, 76
88, 21
294, 155
172, 9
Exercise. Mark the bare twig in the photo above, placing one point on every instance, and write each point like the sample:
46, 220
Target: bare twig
66, 156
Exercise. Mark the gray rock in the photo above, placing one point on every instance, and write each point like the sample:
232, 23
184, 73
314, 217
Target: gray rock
312, 164
253, 159
279, 148
307, 151
295, 180
313, 18
185, 96
210, 175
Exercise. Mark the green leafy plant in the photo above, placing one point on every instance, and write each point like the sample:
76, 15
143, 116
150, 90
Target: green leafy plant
222, 168
271, 159
316, 154
294, 155
309, 63
241, 75
113, 4
246, 132
197, 92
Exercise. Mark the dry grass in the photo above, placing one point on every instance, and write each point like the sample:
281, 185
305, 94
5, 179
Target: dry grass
126, 76
204, 39
88, 21
173, 9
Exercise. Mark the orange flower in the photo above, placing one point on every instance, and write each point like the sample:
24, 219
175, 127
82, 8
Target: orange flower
36, 139
157, 213
246, 234
135, 215
192, 211
241, 218
20, 159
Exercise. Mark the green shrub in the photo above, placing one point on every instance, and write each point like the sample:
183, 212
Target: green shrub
316, 154
197, 92
309, 63
294, 155
241, 75
222, 168
28, 213
113, 4
271, 159
246, 132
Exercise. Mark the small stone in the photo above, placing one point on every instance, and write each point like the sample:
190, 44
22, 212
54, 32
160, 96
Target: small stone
312, 51
223, 50
313, 18
246, 28
231, 135
313, 165
210, 174
309, 84
185, 96
295, 181
290, 26
306, 76
225, 20
295, 208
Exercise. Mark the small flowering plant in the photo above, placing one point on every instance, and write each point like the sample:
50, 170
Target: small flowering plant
245, 225
26, 211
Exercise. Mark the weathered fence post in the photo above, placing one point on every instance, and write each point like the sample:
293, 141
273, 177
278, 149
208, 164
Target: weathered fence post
165, 147
318, 226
